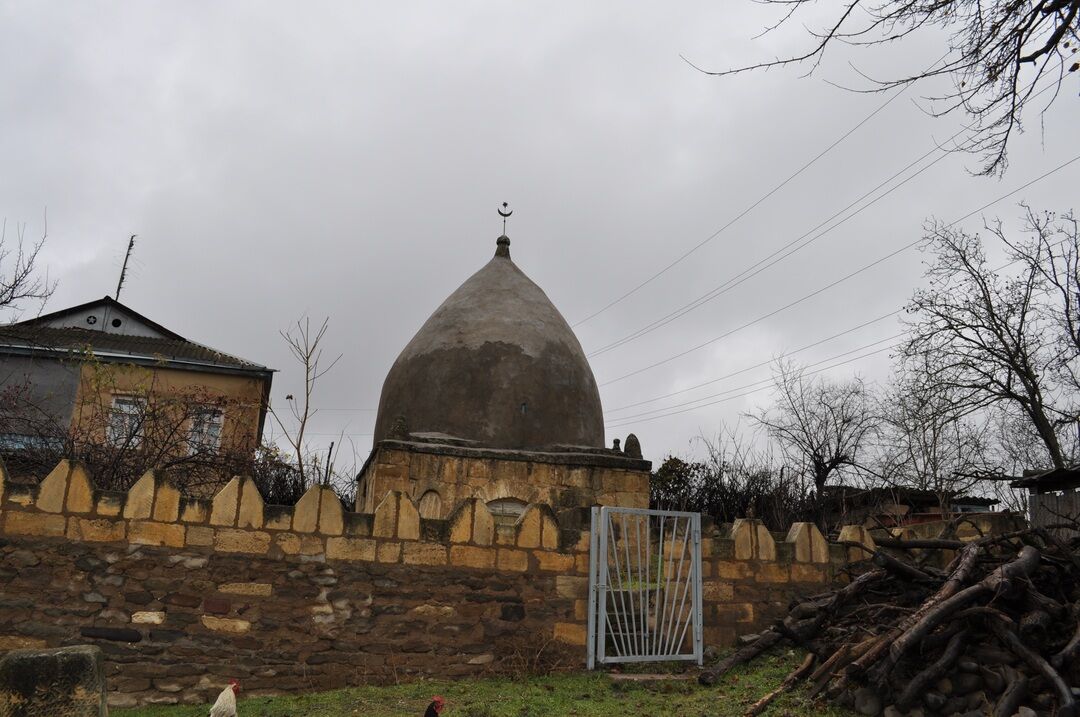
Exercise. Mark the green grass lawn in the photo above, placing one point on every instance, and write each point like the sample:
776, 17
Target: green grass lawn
583, 694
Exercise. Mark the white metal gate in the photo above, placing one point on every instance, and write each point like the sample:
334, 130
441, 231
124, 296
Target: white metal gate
644, 586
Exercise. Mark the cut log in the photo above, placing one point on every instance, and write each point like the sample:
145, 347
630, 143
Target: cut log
1067, 706
918, 684
797, 674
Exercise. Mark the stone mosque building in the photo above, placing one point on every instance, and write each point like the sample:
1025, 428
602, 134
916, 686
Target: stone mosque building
493, 398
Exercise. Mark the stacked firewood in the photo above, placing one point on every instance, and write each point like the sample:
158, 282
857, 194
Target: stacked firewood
994, 632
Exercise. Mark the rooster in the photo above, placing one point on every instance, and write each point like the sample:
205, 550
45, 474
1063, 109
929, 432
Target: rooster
435, 707
226, 701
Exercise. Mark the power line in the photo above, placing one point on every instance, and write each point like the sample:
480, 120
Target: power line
837, 282
762, 381
749, 272
747, 393
743, 213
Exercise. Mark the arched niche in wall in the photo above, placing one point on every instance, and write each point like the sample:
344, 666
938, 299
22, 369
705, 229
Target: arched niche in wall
430, 505
506, 511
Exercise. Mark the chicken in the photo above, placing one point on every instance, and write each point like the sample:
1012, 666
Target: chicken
226, 701
435, 707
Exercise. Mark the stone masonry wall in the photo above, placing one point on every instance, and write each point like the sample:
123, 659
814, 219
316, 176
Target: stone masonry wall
182, 594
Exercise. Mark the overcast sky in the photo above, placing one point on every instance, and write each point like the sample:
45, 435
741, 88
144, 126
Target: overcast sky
346, 160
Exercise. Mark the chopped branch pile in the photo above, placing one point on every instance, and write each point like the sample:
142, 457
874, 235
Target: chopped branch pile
996, 632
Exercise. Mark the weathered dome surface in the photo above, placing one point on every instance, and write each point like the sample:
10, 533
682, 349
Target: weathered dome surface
496, 364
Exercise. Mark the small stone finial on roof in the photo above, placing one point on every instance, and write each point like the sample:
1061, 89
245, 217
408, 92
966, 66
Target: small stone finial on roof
633, 447
615, 445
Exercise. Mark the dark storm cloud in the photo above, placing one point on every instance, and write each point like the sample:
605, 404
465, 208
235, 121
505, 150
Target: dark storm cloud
279, 160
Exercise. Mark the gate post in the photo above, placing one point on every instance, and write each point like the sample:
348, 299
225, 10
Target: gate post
590, 640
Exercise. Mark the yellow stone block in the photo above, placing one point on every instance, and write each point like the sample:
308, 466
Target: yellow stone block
80, 496
570, 633
200, 536
224, 505
108, 506
194, 511
226, 624
554, 562
19, 642
253, 589
810, 544
166, 503
331, 514
717, 590
461, 523
424, 554
306, 512
736, 612
570, 586
857, 534
581, 565
468, 556
350, 548
293, 544
45, 524
384, 522
773, 573
528, 528
140, 498
732, 570
53, 488
581, 609
150, 533
279, 521
408, 519
388, 552
801, 573
512, 560
234, 540
753, 541
250, 513
96, 529
483, 525
549, 532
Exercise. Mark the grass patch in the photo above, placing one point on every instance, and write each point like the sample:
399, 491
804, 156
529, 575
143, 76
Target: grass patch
580, 694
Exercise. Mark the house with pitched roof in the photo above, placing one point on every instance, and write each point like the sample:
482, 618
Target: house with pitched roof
102, 374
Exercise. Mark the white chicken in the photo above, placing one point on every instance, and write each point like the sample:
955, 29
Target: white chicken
226, 701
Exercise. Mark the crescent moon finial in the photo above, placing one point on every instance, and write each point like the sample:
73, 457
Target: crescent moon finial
505, 212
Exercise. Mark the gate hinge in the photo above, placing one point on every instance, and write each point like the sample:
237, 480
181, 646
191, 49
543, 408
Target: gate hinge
697, 537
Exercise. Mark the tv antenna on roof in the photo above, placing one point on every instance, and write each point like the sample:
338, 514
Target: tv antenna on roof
123, 271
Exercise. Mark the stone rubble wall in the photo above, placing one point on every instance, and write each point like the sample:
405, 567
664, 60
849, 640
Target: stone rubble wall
182, 594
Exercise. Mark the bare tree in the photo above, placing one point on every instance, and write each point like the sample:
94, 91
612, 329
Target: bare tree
1001, 340
927, 441
20, 279
997, 52
821, 425
305, 347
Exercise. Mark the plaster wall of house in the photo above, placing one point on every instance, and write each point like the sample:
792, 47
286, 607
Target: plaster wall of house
50, 385
100, 382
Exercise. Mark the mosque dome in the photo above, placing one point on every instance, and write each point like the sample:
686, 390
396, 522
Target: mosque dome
496, 365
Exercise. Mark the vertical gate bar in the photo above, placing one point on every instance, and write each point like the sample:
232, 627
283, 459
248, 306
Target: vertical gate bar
659, 571
699, 637
620, 618
678, 582
601, 641
643, 589
630, 592
648, 568
668, 563
590, 647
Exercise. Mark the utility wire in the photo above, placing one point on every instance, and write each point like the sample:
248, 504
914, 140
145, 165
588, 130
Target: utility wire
837, 282
762, 381
749, 272
747, 393
743, 213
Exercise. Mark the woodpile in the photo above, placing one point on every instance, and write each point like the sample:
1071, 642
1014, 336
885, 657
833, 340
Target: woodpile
996, 632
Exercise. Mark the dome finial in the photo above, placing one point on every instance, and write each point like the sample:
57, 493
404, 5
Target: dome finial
503, 242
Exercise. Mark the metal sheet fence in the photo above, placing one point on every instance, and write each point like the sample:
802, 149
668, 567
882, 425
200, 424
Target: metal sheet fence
645, 600
1054, 509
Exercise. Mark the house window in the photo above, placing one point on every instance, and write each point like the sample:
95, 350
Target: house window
125, 421
205, 432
